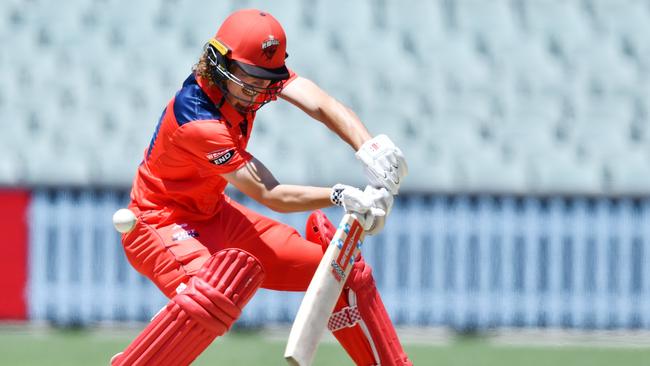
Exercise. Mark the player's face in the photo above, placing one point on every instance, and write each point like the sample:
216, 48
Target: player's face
242, 97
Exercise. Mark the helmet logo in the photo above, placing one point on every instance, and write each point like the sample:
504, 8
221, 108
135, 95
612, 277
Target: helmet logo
269, 46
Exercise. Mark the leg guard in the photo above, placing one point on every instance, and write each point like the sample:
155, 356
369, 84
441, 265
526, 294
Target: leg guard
345, 325
365, 331
374, 316
319, 229
204, 310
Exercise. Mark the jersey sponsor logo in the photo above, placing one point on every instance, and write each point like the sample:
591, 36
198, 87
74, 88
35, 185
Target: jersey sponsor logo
184, 235
221, 157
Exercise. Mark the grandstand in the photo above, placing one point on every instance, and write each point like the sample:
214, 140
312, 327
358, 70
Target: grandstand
551, 94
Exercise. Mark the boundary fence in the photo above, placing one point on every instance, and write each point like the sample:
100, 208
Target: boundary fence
468, 262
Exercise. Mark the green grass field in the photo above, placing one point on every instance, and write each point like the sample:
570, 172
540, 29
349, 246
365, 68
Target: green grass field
23, 347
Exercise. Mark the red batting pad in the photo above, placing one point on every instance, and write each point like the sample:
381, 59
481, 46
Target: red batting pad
204, 310
352, 338
319, 229
375, 317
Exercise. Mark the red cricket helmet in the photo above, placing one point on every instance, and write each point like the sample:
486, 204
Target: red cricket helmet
254, 40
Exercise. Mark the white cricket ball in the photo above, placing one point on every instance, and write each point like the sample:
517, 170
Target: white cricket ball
124, 220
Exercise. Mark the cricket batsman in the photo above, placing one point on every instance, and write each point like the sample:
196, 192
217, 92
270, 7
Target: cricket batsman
209, 254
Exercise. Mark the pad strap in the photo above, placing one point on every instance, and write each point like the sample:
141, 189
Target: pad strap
347, 317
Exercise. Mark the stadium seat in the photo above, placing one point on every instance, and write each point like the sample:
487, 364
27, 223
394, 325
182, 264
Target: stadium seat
335, 15
16, 126
562, 170
527, 135
61, 163
603, 127
630, 171
409, 18
628, 17
603, 69
488, 168
433, 168
11, 166
113, 172
290, 13
462, 64
561, 18
532, 69
496, 21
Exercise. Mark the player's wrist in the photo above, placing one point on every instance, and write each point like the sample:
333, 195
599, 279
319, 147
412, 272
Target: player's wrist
336, 195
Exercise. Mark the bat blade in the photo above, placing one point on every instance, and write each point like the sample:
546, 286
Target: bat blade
323, 291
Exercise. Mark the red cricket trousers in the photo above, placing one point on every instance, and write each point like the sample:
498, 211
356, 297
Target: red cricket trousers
169, 249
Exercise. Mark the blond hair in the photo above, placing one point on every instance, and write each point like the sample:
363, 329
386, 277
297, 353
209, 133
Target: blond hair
204, 69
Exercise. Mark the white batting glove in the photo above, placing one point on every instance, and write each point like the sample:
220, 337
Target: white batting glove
384, 200
384, 163
369, 205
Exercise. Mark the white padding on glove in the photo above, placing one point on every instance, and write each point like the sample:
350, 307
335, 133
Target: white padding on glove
384, 163
370, 205
354, 200
382, 199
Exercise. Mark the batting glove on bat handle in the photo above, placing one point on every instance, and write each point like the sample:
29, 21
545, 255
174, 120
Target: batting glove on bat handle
383, 200
368, 205
355, 200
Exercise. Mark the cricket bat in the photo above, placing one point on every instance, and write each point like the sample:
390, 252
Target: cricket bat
323, 292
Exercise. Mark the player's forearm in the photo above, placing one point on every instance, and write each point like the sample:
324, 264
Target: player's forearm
293, 198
